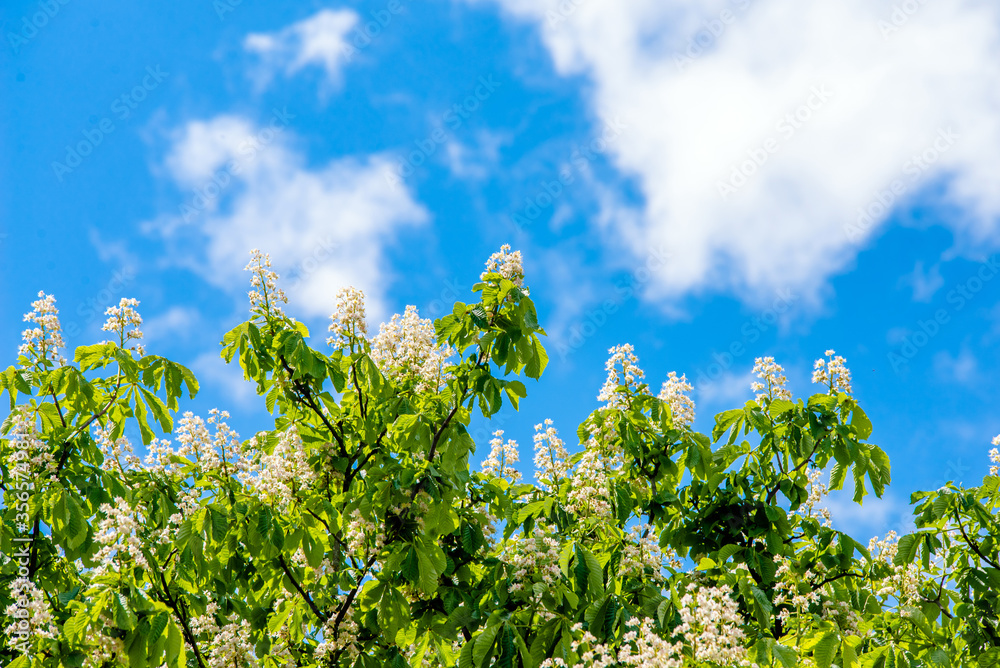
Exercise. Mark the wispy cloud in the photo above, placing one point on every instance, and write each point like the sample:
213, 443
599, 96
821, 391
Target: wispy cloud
962, 369
925, 283
318, 41
729, 389
177, 322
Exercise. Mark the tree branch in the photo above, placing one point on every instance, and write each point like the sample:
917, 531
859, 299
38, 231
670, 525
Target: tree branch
312, 605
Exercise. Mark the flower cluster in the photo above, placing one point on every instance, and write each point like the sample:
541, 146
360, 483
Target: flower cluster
159, 457
711, 625
228, 645
43, 341
275, 475
265, 295
535, 558
842, 614
817, 492
27, 596
343, 640
833, 372
502, 458
118, 534
405, 348
903, 581
361, 533
119, 455
774, 379
674, 392
588, 494
507, 264
642, 556
643, 647
348, 322
103, 649
995, 456
592, 653
792, 589
125, 321
32, 456
551, 458
219, 452
627, 377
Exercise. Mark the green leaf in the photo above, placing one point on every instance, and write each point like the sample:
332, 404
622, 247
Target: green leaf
137, 651
825, 650
432, 563
725, 420
779, 406
158, 409
465, 658
89, 357
535, 365
595, 573
907, 550
786, 655
483, 643
862, 425
156, 627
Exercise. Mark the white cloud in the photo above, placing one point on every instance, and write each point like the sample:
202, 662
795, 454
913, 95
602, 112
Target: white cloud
176, 322
320, 41
875, 517
227, 379
880, 100
247, 187
729, 389
925, 284
962, 368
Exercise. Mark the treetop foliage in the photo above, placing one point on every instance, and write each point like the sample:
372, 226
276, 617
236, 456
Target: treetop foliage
356, 533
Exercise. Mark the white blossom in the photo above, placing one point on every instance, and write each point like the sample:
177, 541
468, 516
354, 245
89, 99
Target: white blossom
228, 645
119, 534
711, 625
29, 597
31, 457
551, 458
348, 321
119, 456
674, 393
995, 456
833, 373
643, 647
405, 348
345, 639
534, 558
363, 537
43, 341
507, 264
502, 458
275, 475
589, 487
623, 371
219, 452
265, 295
125, 321
903, 582
642, 556
774, 379
817, 492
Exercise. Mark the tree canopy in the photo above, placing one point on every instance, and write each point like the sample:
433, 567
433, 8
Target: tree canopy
356, 532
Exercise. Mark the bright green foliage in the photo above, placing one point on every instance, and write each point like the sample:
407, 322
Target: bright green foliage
355, 533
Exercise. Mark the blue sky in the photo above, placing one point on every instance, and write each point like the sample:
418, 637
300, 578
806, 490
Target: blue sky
710, 181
